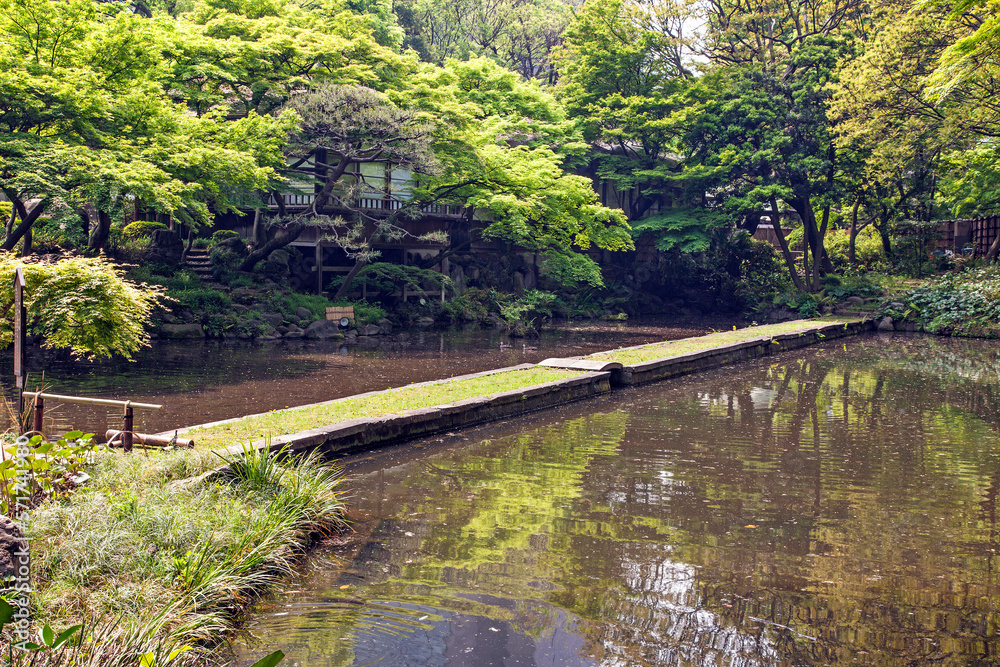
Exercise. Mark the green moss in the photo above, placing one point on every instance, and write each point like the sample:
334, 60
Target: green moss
391, 401
637, 355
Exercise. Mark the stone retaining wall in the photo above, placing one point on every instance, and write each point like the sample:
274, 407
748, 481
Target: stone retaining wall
692, 362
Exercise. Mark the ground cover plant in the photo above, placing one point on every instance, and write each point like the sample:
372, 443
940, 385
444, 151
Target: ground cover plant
156, 562
390, 401
954, 301
636, 355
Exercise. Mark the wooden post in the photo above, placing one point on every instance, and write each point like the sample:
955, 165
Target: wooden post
39, 415
127, 428
319, 267
20, 315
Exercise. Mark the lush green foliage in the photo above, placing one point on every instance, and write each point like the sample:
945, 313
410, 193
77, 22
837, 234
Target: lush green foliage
141, 228
388, 278
971, 298
85, 305
39, 470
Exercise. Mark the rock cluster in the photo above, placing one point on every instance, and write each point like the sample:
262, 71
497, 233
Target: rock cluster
12, 542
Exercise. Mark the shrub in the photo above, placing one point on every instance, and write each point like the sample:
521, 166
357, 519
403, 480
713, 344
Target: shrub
203, 299
470, 306
49, 469
222, 235
82, 304
387, 278
315, 303
849, 286
225, 265
141, 228
806, 305
868, 249
762, 273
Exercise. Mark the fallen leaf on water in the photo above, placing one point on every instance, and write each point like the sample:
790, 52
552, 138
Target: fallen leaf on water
750, 525
345, 586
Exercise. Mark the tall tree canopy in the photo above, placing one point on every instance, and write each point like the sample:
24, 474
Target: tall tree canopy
86, 118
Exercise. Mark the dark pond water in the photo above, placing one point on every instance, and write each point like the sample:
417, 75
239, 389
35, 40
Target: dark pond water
205, 381
832, 506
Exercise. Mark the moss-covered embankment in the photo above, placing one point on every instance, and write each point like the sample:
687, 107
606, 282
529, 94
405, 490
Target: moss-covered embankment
380, 418
661, 361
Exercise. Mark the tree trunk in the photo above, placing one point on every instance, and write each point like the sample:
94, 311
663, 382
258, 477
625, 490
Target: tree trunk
190, 243
789, 260
282, 237
994, 251
883, 232
27, 220
750, 223
257, 236
345, 286
10, 221
820, 260
99, 234
852, 260
84, 220
26, 248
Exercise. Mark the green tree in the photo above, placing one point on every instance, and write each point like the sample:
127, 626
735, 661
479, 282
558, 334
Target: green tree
339, 129
518, 34
503, 145
884, 117
629, 87
768, 136
82, 304
83, 119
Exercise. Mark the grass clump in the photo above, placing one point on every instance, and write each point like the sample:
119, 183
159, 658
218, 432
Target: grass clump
628, 356
391, 401
165, 565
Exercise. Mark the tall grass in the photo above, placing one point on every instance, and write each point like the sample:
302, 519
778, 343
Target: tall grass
175, 564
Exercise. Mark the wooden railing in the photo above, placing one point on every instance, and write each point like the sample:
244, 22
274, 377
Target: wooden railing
306, 199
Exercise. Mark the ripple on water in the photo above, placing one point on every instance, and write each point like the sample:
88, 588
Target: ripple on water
833, 506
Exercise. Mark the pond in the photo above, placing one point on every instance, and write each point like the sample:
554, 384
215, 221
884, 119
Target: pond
830, 506
203, 381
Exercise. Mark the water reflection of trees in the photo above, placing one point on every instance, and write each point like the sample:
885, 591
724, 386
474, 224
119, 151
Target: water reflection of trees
828, 508
859, 474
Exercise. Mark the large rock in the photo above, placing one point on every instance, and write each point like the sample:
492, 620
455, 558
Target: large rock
276, 265
233, 244
370, 330
12, 542
182, 331
165, 246
304, 313
855, 301
274, 319
886, 324
322, 330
